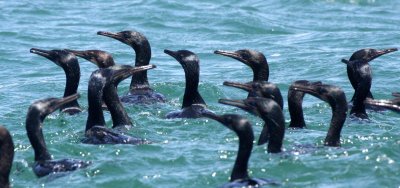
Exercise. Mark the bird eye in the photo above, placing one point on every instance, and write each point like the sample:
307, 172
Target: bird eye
245, 56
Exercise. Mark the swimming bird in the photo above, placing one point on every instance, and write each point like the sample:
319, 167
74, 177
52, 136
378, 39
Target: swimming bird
243, 129
336, 98
102, 86
69, 63
260, 89
268, 110
101, 59
139, 91
193, 104
295, 103
362, 89
6, 156
363, 56
44, 164
360, 76
252, 58
333, 95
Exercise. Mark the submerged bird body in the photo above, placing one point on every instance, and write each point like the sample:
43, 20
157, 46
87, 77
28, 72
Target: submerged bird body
268, 110
193, 104
260, 89
360, 76
6, 157
336, 98
243, 129
69, 63
362, 56
102, 86
140, 91
254, 59
44, 165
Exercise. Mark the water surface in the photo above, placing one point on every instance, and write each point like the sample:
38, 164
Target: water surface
304, 39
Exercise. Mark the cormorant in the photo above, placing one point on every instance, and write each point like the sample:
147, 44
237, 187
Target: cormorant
140, 91
254, 59
102, 85
69, 63
44, 164
193, 104
243, 129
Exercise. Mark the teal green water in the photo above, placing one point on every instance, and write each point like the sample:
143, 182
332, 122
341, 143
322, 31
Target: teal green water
301, 39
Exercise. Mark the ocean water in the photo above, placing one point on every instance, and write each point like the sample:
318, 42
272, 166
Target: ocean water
302, 39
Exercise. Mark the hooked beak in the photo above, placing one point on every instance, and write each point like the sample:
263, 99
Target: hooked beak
308, 87
382, 52
125, 72
305, 89
211, 115
142, 68
78, 53
175, 55
389, 104
243, 104
84, 55
110, 34
246, 87
231, 54
386, 51
171, 53
304, 83
227, 53
58, 103
44, 53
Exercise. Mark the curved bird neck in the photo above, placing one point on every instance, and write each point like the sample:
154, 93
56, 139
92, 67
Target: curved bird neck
118, 113
339, 113
6, 158
363, 87
350, 75
277, 96
95, 95
73, 74
242, 159
35, 135
295, 101
192, 95
143, 55
275, 140
354, 78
